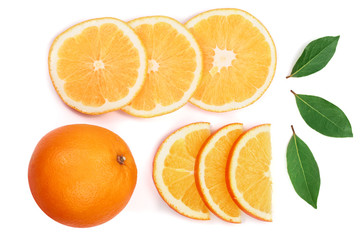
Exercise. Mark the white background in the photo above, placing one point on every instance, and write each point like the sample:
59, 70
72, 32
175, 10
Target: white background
30, 108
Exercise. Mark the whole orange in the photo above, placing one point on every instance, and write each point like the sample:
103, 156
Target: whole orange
82, 175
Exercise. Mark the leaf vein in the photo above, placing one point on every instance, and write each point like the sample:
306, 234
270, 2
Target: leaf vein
302, 169
311, 59
317, 111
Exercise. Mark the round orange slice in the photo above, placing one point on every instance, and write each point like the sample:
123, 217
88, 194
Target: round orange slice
239, 59
210, 171
173, 170
248, 172
98, 65
174, 66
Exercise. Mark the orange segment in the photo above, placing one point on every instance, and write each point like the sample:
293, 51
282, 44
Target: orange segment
239, 59
173, 170
98, 65
174, 66
210, 171
248, 172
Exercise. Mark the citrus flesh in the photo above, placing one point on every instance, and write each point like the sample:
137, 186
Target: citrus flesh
173, 170
210, 172
174, 66
98, 65
248, 172
239, 59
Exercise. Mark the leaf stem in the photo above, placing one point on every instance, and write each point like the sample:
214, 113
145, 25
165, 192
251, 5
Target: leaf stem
293, 92
292, 128
288, 76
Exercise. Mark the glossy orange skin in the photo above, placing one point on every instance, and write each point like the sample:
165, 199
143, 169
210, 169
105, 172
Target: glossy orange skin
75, 177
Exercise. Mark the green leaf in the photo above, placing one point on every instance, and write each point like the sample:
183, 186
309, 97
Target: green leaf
303, 170
323, 116
315, 56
